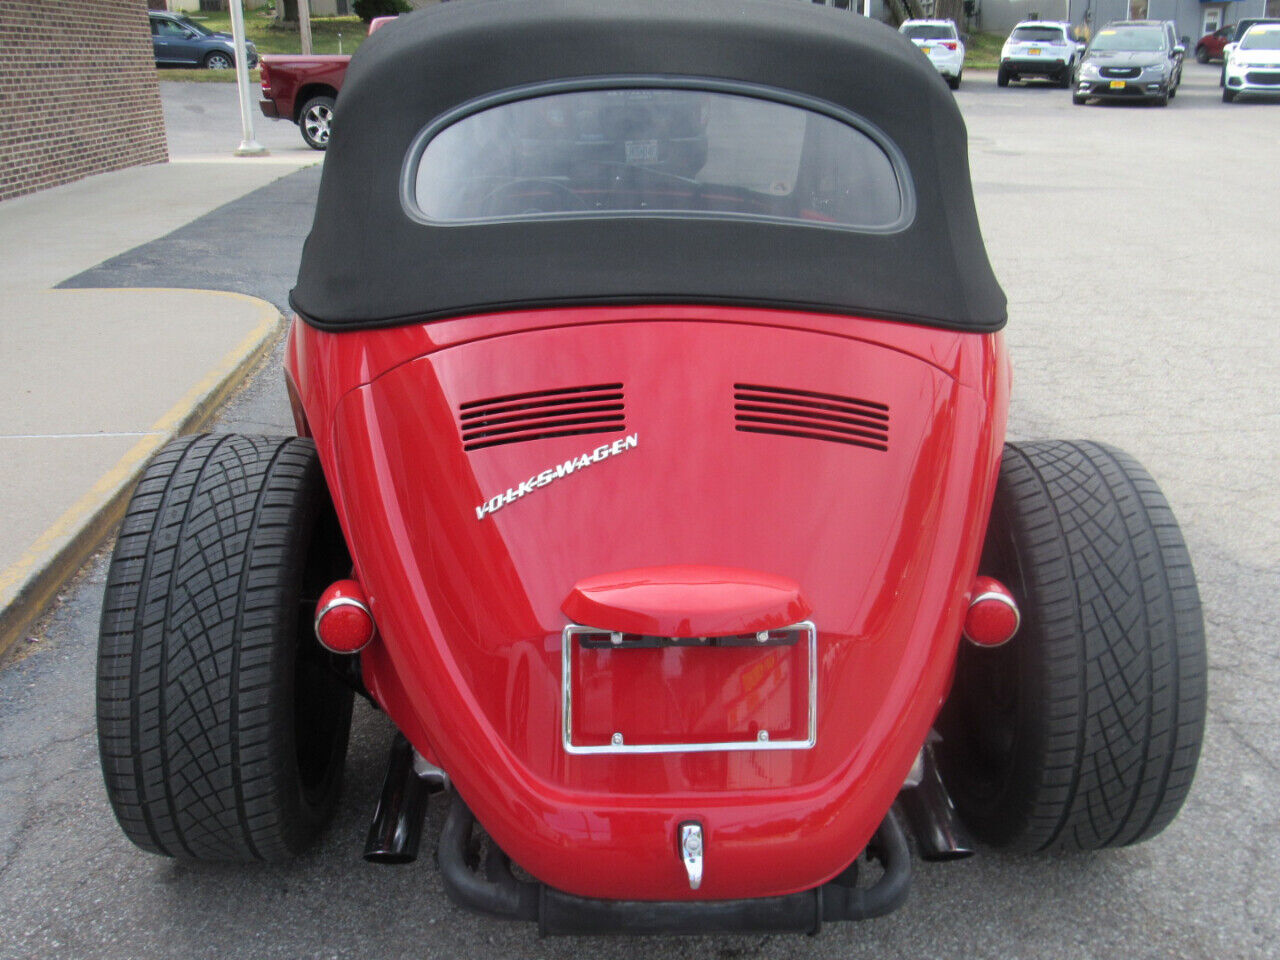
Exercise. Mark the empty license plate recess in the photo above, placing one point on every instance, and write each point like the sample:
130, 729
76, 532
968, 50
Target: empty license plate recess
624, 693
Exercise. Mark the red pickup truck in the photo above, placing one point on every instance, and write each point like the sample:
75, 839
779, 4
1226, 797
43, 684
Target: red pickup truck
302, 89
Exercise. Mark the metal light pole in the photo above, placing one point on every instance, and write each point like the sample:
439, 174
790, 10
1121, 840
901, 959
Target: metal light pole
249, 146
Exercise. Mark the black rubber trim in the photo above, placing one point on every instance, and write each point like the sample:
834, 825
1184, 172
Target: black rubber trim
348, 326
736, 88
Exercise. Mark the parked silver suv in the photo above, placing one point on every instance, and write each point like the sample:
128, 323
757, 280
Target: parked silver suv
1131, 60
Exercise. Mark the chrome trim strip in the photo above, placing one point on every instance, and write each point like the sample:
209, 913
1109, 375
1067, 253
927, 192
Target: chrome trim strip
618, 746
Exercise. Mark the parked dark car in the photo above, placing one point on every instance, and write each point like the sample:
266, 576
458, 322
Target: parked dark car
1131, 60
179, 41
1209, 47
1242, 27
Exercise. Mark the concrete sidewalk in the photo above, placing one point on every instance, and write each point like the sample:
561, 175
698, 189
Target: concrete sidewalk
97, 380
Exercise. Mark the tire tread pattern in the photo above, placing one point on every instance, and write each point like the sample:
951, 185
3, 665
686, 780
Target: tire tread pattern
1123, 659
194, 681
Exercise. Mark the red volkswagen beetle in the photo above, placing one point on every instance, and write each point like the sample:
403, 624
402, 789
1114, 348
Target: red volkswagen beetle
651, 476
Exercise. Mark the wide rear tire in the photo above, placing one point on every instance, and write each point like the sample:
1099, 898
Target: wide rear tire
222, 728
1082, 732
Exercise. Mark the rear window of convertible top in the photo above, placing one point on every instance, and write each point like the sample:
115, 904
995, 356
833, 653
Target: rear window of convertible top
655, 152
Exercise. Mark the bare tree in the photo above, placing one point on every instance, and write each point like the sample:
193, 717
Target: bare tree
950, 10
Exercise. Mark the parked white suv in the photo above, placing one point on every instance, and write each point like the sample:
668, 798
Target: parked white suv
941, 43
1038, 48
1253, 64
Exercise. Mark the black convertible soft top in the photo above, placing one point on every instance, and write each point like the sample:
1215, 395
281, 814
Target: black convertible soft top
368, 262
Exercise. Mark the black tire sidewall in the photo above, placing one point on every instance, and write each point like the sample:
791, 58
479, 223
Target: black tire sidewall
998, 808
1106, 673
307, 806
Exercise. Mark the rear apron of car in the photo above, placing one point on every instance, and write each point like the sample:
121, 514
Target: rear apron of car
578, 451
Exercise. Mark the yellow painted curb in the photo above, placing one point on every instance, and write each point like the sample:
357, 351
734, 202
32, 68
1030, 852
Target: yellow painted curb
34, 579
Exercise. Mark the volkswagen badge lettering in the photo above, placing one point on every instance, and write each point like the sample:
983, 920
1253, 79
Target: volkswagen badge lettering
495, 503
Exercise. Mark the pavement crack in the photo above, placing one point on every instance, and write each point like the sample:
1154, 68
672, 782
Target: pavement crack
1230, 726
46, 744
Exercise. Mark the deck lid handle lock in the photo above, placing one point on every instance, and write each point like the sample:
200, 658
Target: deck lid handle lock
691, 846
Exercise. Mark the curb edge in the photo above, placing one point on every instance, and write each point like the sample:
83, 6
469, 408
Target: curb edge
30, 585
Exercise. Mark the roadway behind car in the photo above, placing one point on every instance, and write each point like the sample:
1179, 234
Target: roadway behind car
203, 120
1137, 248
1105, 224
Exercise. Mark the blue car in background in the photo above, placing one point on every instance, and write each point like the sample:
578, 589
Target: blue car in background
181, 42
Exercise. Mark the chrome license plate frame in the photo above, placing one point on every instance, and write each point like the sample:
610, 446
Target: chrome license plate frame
573, 631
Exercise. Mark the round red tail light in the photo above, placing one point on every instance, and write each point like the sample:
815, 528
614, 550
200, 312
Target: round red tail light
992, 618
344, 623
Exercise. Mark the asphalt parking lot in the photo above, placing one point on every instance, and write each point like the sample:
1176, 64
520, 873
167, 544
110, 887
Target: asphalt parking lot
203, 119
1138, 249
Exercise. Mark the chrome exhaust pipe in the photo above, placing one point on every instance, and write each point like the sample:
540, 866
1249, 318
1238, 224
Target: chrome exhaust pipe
402, 806
931, 815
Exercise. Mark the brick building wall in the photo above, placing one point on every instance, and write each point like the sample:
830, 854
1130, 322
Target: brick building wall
78, 91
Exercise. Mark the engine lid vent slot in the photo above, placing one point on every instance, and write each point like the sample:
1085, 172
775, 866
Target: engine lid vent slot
539, 414
811, 415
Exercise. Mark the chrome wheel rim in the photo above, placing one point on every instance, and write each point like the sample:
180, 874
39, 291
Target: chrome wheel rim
219, 61
317, 122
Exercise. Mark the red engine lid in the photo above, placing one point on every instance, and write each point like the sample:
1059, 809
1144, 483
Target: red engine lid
686, 601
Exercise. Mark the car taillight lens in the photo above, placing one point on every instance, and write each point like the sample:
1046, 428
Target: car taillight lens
949, 44
992, 617
265, 76
344, 623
